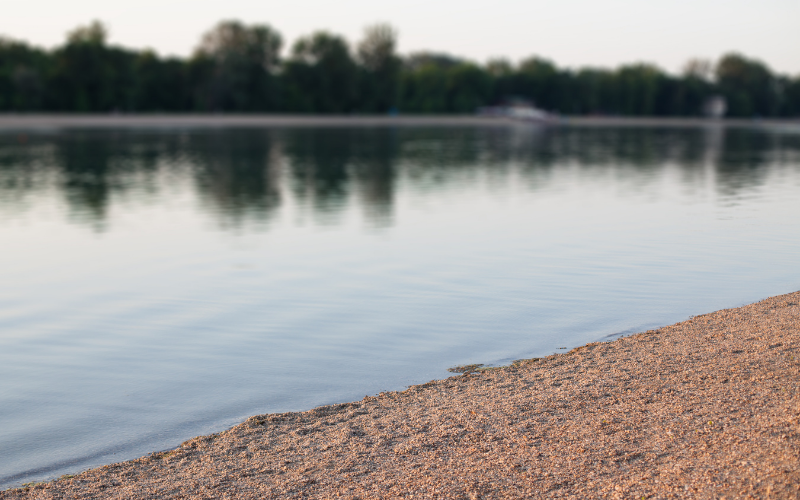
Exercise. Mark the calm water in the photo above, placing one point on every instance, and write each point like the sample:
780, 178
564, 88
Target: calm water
157, 285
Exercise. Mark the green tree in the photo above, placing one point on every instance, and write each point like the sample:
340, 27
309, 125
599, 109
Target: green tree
501, 74
748, 86
161, 84
537, 80
380, 69
321, 75
22, 75
791, 97
469, 87
424, 89
425, 82
590, 88
237, 66
638, 89
693, 88
88, 75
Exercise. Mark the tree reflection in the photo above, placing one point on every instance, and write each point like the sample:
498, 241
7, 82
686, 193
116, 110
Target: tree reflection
237, 174
375, 174
94, 167
319, 161
84, 160
246, 177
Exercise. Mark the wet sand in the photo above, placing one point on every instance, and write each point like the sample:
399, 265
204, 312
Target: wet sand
12, 122
705, 408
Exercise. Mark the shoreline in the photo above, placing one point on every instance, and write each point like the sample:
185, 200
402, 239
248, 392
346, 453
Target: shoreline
707, 408
28, 122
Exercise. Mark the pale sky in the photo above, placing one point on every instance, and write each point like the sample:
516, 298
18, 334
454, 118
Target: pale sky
572, 33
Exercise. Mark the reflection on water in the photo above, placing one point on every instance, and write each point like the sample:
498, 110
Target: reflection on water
245, 176
162, 284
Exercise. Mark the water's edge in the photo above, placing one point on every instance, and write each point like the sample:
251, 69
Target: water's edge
16, 481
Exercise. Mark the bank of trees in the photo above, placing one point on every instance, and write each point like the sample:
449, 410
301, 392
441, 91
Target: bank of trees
244, 68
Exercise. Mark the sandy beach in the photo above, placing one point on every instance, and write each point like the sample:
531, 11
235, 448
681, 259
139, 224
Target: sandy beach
705, 408
13, 122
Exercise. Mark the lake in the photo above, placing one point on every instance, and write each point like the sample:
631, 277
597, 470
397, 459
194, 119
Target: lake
161, 284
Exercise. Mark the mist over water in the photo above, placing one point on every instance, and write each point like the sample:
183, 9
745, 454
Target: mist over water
157, 285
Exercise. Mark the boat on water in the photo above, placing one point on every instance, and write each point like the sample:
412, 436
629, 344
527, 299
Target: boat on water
520, 110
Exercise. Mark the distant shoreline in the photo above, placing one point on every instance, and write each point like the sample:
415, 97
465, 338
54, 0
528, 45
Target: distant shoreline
20, 122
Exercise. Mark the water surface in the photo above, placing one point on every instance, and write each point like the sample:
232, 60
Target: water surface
156, 285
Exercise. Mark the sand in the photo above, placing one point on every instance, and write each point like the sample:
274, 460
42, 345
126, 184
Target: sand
32, 121
705, 408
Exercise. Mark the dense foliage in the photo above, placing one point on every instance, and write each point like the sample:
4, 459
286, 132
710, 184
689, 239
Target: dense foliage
239, 68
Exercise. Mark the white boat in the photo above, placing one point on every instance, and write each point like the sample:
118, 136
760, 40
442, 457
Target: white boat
521, 111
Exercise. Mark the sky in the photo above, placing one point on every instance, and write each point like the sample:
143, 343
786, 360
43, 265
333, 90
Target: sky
572, 33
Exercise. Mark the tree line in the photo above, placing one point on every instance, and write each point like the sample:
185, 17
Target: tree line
240, 68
